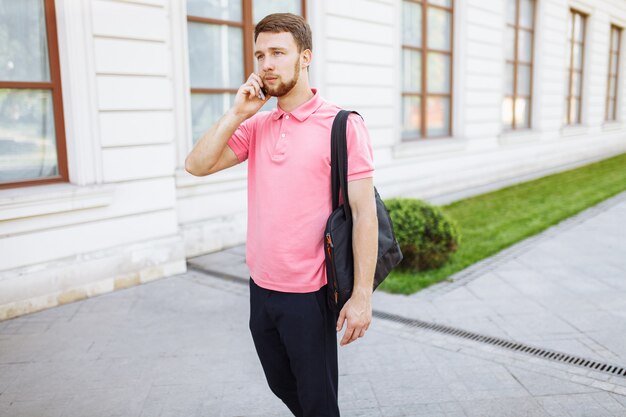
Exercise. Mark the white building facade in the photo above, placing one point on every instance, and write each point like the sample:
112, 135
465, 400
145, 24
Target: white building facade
101, 101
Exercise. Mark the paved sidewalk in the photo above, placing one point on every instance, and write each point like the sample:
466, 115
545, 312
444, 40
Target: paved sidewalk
180, 346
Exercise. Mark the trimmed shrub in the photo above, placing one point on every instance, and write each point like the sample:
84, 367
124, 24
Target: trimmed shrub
426, 236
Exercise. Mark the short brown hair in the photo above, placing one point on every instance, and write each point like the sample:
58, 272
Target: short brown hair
287, 22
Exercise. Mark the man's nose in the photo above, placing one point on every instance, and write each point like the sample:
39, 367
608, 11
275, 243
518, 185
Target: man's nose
267, 65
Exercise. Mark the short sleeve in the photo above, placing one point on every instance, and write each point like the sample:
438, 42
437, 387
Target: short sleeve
239, 142
360, 151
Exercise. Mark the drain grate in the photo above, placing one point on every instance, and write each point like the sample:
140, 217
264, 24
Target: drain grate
507, 344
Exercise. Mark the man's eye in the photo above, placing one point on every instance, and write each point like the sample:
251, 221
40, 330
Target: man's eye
277, 52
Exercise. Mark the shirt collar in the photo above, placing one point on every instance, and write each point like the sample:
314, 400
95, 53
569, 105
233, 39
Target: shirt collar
303, 111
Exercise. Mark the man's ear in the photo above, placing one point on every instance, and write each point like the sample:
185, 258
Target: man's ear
305, 58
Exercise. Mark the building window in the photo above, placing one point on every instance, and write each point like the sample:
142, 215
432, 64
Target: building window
32, 139
516, 107
611, 90
426, 68
221, 42
574, 75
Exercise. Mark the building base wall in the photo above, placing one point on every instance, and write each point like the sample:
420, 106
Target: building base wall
37, 287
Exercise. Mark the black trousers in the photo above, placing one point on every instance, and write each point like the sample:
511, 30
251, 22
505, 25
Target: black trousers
294, 335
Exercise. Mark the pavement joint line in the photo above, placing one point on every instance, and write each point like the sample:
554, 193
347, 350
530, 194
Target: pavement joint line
217, 274
533, 354
479, 268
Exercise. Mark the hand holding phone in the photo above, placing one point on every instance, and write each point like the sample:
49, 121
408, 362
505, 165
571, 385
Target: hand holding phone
251, 96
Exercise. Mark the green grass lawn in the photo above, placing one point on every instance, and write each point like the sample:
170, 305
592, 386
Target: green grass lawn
493, 221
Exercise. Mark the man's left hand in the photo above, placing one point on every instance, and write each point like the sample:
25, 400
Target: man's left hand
358, 313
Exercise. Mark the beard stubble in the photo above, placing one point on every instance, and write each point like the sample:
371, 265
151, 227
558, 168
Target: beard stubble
282, 89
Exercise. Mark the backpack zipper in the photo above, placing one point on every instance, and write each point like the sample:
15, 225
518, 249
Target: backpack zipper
329, 247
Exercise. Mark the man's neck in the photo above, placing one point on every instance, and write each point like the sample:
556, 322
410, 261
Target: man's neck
298, 95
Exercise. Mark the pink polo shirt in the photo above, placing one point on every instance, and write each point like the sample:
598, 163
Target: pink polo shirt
289, 191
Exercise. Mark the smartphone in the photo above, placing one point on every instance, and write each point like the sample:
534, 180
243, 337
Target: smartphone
262, 93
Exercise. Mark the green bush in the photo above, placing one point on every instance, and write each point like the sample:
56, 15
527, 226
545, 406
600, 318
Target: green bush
426, 236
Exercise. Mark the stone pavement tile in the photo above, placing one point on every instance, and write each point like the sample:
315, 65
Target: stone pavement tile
251, 398
515, 305
564, 303
31, 325
537, 258
619, 382
608, 339
452, 408
504, 407
357, 393
402, 388
590, 269
537, 325
175, 371
615, 280
420, 410
453, 309
619, 398
28, 348
420, 378
614, 303
155, 400
403, 305
589, 321
42, 407
459, 294
540, 384
587, 286
45, 378
9, 373
619, 263
490, 285
599, 269
367, 358
467, 377
122, 401
114, 307
529, 281
512, 265
178, 400
361, 412
483, 380
581, 405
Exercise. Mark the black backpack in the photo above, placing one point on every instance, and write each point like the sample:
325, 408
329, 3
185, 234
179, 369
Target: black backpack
338, 233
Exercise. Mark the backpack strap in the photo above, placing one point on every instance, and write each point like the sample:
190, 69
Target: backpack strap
339, 161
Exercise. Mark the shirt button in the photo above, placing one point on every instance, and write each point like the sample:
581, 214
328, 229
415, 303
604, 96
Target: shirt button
283, 135
287, 117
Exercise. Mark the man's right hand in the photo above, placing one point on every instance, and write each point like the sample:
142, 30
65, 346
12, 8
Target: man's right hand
247, 101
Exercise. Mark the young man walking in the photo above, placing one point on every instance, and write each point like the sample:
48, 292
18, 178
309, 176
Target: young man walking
289, 200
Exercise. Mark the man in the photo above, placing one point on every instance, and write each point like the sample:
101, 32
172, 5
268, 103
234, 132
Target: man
289, 201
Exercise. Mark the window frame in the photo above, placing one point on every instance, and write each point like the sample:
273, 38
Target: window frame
54, 85
571, 42
424, 51
247, 26
516, 62
617, 50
